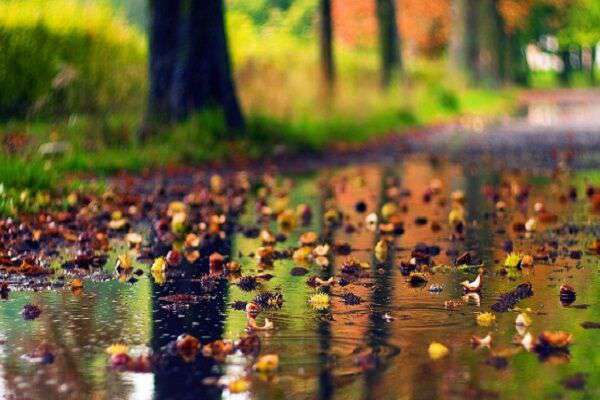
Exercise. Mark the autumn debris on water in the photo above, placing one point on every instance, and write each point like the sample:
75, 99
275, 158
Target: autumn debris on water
171, 234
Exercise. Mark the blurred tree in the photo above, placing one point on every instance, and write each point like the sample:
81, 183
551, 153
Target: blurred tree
202, 78
389, 43
164, 19
464, 44
515, 15
492, 42
582, 29
528, 21
326, 42
189, 62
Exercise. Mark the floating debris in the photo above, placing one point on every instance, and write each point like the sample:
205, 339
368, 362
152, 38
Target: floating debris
351, 299
319, 301
575, 382
453, 305
238, 386
513, 260
180, 298
298, 271
478, 342
553, 340
267, 364
42, 354
218, 349
187, 347
436, 288
31, 312
417, 279
437, 351
509, 300
473, 286
485, 319
247, 283
590, 325
567, 294
269, 300
523, 319
381, 250
497, 362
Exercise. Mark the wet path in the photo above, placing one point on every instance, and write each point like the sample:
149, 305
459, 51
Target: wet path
374, 349
554, 119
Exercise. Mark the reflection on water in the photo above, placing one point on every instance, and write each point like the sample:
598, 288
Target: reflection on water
375, 349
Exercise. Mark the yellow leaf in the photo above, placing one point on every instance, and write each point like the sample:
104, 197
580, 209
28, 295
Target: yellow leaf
437, 351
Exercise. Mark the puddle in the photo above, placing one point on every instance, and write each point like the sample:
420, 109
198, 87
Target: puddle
326, 354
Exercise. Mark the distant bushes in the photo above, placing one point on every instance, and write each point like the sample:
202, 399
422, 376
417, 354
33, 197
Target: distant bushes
61, 56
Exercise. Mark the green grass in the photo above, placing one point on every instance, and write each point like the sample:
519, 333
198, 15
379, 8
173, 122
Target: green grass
551, 80
107, 145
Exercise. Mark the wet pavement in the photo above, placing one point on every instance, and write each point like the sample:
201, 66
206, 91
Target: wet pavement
547, 121
371, 339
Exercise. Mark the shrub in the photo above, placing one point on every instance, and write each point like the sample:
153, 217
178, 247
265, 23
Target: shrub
62, 56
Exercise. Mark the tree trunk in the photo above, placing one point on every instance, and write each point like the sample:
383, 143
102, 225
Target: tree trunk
326, 43
593, 55
518, 69
472, 40
565, 74
489, 43
190, 68
465, 38
389, 42
164, 17
501, 43
457, 49
202, 77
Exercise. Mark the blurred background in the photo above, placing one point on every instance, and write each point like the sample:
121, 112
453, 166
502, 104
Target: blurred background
307, 73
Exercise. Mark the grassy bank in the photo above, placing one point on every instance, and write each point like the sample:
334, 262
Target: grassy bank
105, 145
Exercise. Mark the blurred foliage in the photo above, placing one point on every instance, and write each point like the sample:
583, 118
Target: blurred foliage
534, 18
77, 72
136, 11
582, 25
276, 68
60, 57
424, 25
